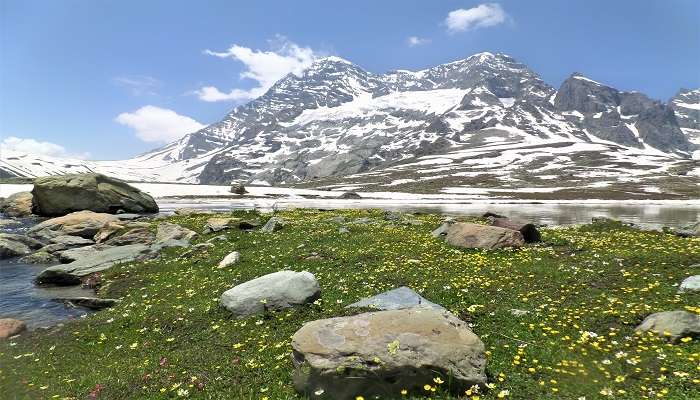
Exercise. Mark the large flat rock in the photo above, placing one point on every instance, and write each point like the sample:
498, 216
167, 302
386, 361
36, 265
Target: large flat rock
476, 236
396, 299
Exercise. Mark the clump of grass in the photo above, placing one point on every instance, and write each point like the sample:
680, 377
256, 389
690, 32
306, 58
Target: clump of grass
584, 289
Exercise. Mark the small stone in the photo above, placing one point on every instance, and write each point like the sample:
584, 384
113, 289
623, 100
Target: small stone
273, 224
690, 284
230, 259
10, 327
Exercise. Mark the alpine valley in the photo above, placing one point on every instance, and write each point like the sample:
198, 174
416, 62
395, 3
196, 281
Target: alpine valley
486, 121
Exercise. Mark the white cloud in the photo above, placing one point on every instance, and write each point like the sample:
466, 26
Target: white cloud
155, 124
35, 147
481, 16
264, 67
416, 41
138, 85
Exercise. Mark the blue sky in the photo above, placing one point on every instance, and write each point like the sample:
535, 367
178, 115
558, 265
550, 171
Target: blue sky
112, 79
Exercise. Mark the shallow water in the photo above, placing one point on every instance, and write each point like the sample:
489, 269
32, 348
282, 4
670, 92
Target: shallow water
21, 299
653, 215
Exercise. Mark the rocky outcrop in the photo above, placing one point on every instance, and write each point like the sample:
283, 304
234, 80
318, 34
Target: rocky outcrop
218, 224
276, 291
350, 196
92, 262
382, 353
92, 303
63, 194
468, 235
273, 224
672, 325
396, 299
10, 327
133, 236
82, 223
17, 205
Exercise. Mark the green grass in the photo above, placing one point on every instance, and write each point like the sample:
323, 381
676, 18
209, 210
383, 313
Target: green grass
169, 334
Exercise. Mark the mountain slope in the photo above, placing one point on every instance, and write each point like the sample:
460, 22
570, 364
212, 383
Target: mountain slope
486, 116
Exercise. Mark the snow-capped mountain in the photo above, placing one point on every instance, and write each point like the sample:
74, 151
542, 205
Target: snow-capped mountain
487, 115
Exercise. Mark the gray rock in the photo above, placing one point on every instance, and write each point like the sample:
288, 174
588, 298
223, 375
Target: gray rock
10, 327
343, 229
173, 235
230, 259
468, 235
96, 261
92, 303
339, 219
13, 245
364, 221
108, 231
74, 254
40, 257
17, 205
197, 249
350, 196
82, 223
673, 325
396, 299
276, 291
690, 284
689, 231
273, 224
219, 224
218, 238
129, 216
441, 231
381, 353
63, 194
238, 188
192, 211
518, 313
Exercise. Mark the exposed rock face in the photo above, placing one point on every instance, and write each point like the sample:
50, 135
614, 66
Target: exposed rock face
690, 284
82, 223
396, 299
94, 261
173, 235
630, 119
529, 231
467, 235
17, 205
11, 327
238, 188
382, 353
60, 195
40, 257
276, 291
350, 196
672, 324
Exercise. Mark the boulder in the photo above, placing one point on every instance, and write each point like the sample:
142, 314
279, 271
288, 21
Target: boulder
382, 353
13, 245
63, 194
350, 196
273, 224
82, 223
248, 224
441, 231
133, 236
92, 303
396, 299
17, 205
10, 327
690, 285
529, 231
238, 188
173, 235
219, 224
230, 259
672, 324
692, 230
468, 235
89, 263
276, 291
